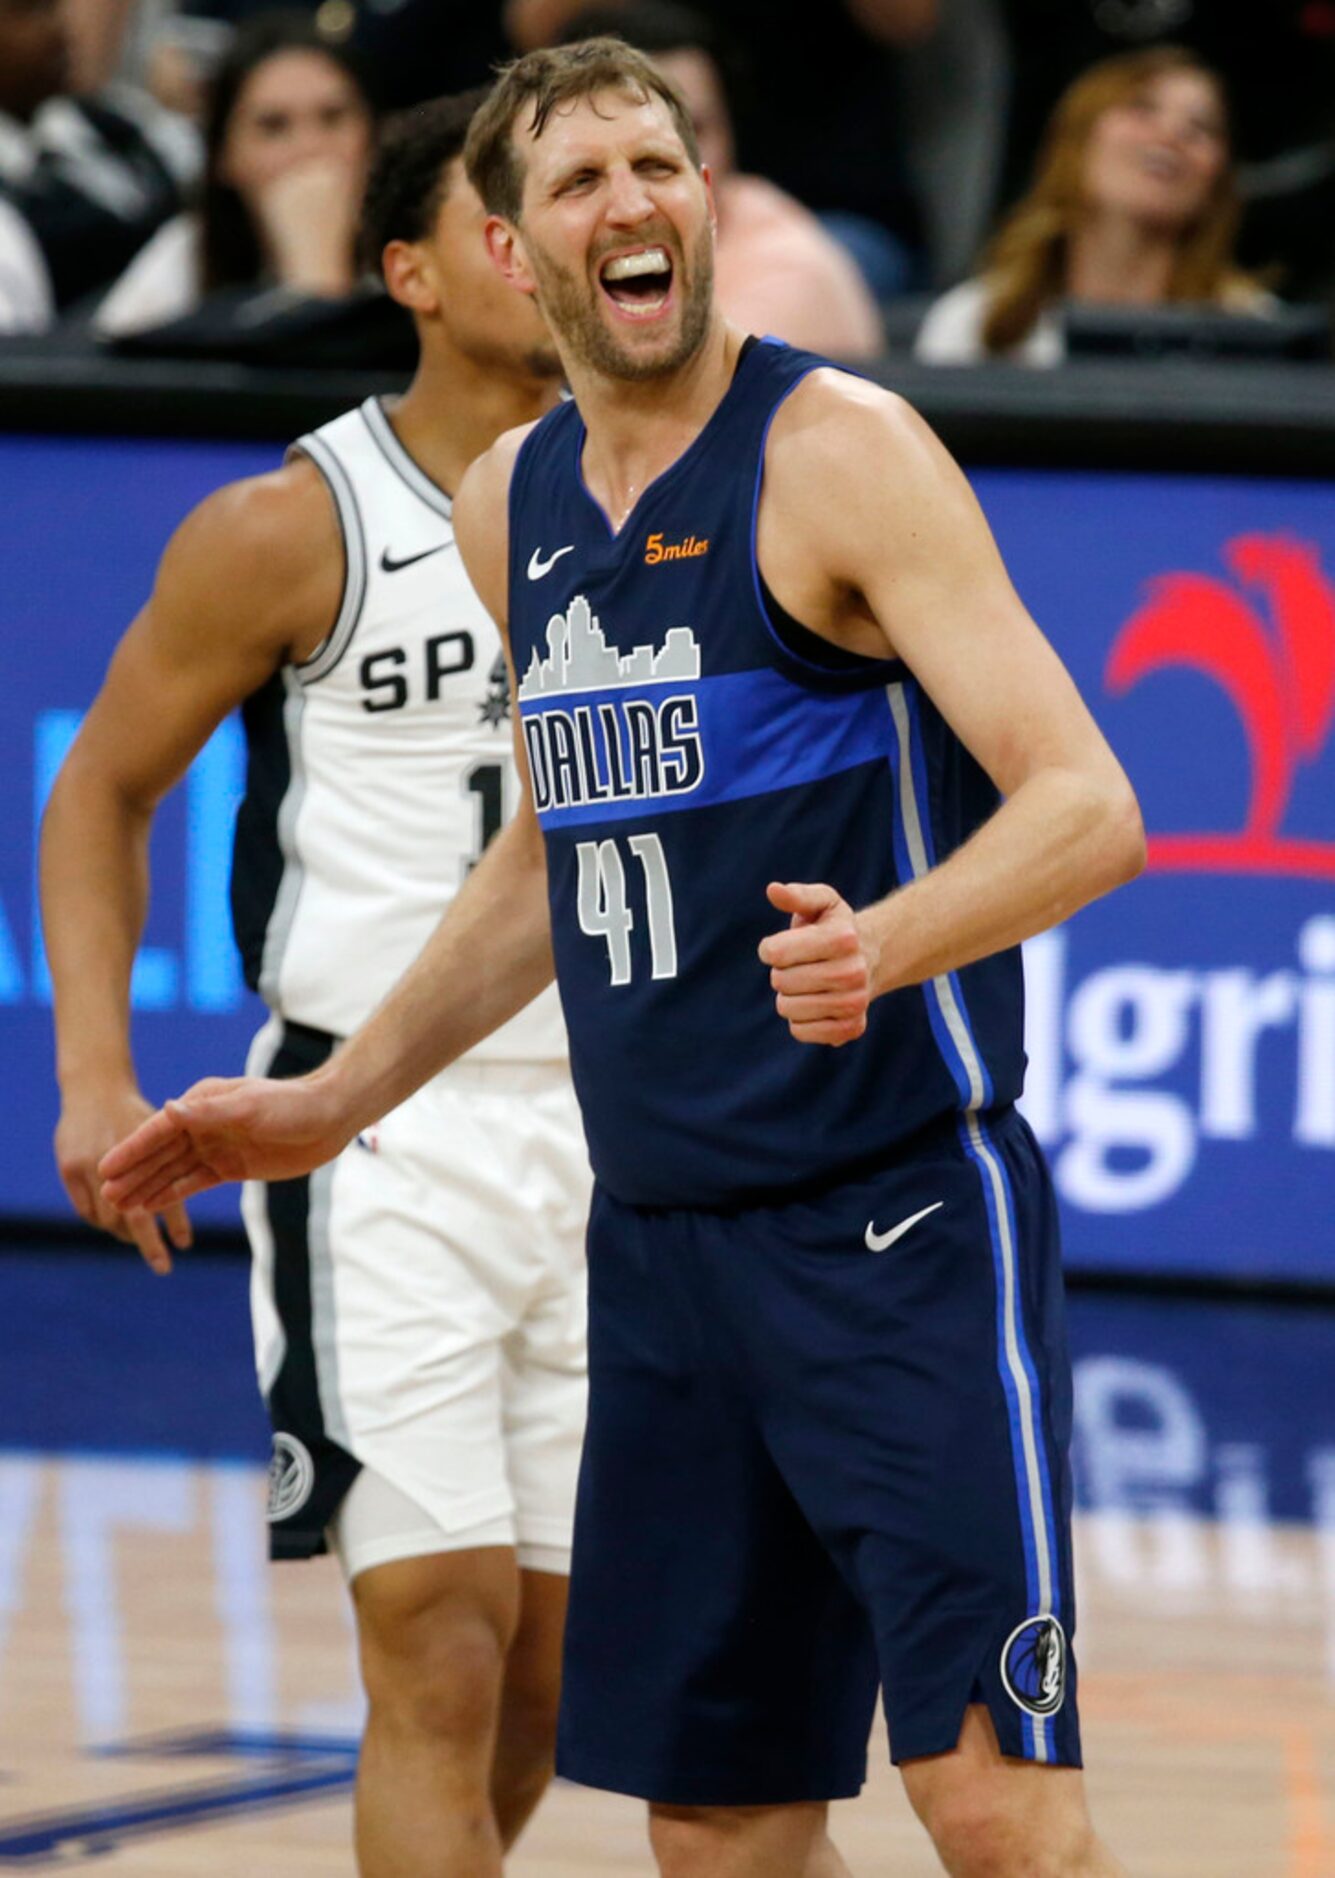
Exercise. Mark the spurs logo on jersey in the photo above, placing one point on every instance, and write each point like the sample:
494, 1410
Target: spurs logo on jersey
381, 767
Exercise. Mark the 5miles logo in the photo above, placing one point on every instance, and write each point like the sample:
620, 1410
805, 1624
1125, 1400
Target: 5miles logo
656, 549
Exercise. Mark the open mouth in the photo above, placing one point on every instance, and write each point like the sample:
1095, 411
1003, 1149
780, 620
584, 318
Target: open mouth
638, 284
1162, 164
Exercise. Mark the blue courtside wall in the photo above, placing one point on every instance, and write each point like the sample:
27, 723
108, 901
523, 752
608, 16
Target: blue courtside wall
81, 529
1182, 1034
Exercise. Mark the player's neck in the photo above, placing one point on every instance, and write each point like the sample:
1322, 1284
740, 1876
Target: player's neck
636, 429
456, 408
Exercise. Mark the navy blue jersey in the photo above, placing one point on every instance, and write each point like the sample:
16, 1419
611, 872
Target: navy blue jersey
687, 747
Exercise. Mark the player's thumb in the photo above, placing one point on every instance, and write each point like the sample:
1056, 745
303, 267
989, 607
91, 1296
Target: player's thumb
802, 901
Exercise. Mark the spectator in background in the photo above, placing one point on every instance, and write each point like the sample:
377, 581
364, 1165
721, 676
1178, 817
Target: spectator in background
775, 268
1277, 58
84, 181
1134, 204
288, 134
820, 116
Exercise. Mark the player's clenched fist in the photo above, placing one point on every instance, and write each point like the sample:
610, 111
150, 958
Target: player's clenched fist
820, 968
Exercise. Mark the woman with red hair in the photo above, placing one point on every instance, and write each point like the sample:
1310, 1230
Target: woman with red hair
1134, 204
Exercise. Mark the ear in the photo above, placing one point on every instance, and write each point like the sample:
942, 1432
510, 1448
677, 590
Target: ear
707, 178
410, 277
507, 253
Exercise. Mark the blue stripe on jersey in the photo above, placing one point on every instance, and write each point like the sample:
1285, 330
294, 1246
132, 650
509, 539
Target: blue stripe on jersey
1020, 1382
762, 732
955, 1037
913, 857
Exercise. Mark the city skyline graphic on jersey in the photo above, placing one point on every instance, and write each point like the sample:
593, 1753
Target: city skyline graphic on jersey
580, 659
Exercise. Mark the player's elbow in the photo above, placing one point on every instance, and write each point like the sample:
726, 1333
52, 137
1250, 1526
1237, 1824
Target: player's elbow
1119, 839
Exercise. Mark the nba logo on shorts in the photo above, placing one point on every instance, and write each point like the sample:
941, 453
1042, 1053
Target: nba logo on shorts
1033, 1665
291, 1477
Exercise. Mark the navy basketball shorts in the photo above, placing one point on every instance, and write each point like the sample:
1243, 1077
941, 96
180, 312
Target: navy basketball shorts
826, 1452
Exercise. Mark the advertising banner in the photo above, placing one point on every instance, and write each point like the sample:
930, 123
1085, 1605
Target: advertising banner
1181, 1034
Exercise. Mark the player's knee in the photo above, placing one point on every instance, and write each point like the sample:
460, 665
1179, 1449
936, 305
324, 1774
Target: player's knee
982, 1834
685, 1840
694, 1842
442, 1680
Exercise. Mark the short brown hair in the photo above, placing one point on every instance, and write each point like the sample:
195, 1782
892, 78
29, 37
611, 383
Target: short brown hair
545, 79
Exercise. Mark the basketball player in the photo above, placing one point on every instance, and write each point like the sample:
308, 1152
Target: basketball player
768, 663
419, 1306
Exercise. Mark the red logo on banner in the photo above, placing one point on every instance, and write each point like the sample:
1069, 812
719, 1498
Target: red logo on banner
1273, 653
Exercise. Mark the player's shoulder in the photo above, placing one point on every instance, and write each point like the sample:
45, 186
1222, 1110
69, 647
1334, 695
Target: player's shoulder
488, 476
482, 503
260, 558
282, 519
830, 414
482, 516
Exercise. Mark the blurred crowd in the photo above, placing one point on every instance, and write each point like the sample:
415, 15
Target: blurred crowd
1018, 180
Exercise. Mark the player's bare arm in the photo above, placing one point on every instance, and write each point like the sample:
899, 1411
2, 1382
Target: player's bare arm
870, 535
490, 955
250, 579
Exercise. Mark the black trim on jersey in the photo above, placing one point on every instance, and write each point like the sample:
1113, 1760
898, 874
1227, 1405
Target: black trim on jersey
404, 466
294, 1396
329, 652
258, 862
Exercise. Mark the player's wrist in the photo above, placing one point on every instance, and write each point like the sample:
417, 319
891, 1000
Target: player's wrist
85, 1079
344, 1099
875, 933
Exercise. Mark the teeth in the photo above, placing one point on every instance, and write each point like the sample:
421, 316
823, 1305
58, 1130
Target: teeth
630, 266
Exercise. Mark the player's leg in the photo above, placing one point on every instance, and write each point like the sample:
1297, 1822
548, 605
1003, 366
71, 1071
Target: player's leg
993, 1817
525, 1753
433, 1634
932, 1459
743, 1842
544, 1194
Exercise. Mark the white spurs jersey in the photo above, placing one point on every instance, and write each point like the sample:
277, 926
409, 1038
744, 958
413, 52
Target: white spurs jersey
380, 767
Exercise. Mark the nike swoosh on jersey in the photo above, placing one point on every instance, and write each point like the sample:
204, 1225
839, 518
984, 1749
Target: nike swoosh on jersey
879, 1241
537, 567
390, 566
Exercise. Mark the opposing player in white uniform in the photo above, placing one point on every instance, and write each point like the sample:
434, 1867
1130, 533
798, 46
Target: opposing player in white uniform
418, 1304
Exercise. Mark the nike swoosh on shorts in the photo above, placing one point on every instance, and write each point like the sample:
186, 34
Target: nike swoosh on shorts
879, 1241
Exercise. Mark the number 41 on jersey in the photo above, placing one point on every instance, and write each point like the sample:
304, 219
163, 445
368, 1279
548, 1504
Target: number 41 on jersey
604, 896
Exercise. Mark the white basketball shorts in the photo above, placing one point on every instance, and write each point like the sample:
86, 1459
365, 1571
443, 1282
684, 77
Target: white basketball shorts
419, 1308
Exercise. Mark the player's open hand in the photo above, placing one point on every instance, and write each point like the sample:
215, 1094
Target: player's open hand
90, 1121
243, 1128
820, 968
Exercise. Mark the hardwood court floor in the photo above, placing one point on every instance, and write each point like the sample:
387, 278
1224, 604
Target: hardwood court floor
136, 1610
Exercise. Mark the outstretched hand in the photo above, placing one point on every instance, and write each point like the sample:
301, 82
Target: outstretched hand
820, 968
242, 1128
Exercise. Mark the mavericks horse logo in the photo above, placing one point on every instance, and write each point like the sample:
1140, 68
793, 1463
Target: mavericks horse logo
1033, 1665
